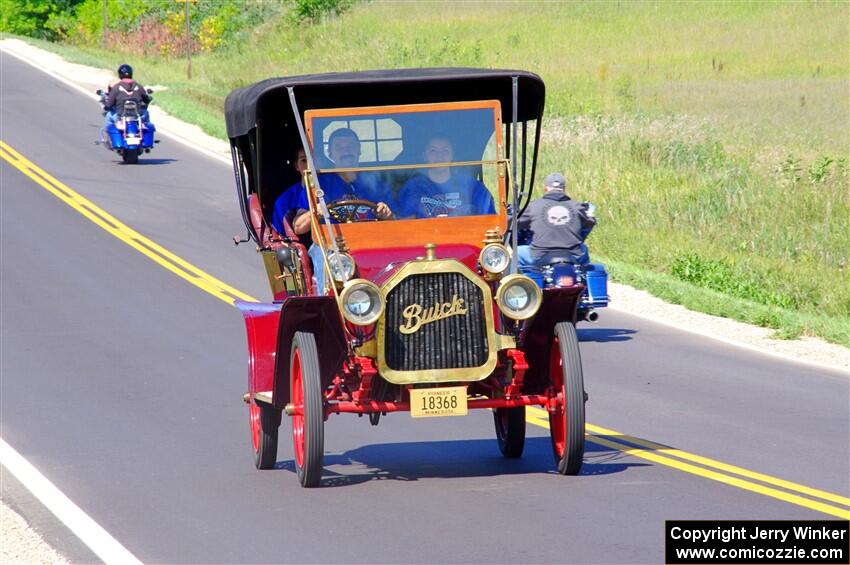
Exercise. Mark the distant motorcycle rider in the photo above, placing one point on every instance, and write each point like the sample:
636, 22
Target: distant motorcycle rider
125, 89
558, 225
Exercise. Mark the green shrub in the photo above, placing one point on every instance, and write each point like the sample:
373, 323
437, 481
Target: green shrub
122, 16
32, 17
315, 10
819, 170
158, 26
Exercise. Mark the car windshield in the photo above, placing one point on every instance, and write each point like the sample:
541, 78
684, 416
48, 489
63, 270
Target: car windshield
422, 161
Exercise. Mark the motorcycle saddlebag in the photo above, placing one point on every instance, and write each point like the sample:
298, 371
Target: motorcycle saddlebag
597, 284
147, 135
115, 137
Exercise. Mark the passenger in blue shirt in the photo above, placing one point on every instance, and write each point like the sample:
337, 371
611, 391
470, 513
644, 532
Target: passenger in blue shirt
292, 200
441, 193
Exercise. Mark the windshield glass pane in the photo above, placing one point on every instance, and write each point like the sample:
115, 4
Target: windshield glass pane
422, 163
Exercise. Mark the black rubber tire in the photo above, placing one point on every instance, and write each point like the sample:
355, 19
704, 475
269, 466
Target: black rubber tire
265, 456
310, 473
510, 430
573, 390
130, 156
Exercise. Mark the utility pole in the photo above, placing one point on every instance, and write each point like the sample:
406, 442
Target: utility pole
188, 43
105, 24
188, 37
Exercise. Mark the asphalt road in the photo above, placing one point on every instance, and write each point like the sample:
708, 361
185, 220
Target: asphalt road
122, 383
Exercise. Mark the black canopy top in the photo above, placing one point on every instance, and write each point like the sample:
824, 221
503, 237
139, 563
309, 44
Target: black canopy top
244, 107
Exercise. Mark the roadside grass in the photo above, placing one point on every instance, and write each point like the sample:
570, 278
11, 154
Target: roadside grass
789, 324
671, 199
177, 104
712, 136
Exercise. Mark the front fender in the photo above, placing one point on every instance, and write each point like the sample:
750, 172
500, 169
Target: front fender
559, 305
261, 325
320, 316
271, 328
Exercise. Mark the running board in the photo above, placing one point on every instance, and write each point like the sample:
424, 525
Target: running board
261, 397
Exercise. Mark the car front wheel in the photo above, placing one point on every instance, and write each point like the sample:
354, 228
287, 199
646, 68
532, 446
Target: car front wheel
510, 430
265, 422
308, 432
567, 422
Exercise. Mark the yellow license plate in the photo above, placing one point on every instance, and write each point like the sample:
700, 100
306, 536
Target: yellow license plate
431, 402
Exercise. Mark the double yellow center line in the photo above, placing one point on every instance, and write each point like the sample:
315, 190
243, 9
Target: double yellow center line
122, 231
708, 468
787, 491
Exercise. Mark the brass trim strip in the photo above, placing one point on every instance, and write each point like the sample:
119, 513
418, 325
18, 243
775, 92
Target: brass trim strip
486, 104
421, 166
505, 341
368, 349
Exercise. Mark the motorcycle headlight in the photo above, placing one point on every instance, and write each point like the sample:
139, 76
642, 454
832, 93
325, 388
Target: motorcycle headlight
342, 266
518, 297
362, 303
494, 258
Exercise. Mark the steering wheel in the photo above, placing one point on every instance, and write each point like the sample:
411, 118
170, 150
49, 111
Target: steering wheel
344, 211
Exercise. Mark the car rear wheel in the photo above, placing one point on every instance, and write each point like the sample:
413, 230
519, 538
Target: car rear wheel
308, 423
265, 422
130, 156
510, 430
566, 424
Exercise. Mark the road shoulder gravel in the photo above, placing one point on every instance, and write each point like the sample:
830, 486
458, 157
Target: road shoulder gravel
21, 543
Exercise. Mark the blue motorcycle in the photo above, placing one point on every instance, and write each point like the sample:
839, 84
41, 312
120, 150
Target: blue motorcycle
130, 134
569, 271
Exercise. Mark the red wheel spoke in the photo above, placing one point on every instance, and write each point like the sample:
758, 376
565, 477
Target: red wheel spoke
298, 418
254, 413
557, 418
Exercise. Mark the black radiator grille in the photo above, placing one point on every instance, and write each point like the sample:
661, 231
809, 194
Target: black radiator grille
457, 341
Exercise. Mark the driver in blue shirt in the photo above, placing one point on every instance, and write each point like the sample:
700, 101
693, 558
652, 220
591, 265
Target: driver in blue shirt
344, 151
442, 191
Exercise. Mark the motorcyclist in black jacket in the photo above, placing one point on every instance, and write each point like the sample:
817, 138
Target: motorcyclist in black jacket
125, 89
558, 225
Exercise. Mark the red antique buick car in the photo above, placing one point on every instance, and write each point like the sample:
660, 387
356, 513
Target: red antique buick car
394, 285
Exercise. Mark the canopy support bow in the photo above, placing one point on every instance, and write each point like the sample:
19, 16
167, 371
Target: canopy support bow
514, 187
308, 153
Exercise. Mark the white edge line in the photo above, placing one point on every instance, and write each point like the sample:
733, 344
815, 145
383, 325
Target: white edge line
90, 532
216, 156
174, 136
736, 343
